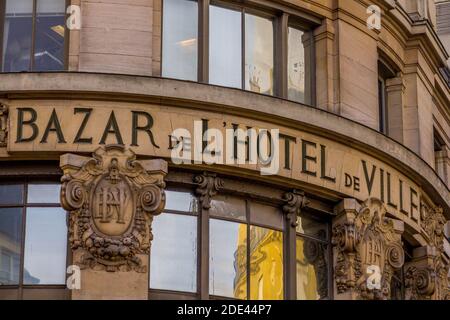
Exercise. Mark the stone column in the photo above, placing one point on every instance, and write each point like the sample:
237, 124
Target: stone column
394, 107
367, 249
111, 199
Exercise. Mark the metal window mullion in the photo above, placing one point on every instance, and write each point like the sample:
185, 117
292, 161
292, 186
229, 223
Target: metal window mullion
247, 209
22, 240
243, 48
203, 41
33, 35
203, 254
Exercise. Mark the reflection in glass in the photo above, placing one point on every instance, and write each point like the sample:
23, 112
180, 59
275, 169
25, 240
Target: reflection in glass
45, 246
180, 28
43, 193
11, 194
296, 66
312, 270
266, 264
173, 257
181, 201
225, 47
228, 207
49, 43
10, 236
17, 36
312, 227
228, 259
266, 215
259, 64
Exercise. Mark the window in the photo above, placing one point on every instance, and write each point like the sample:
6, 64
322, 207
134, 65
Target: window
232, 45
227, 28
33, 35
33, 233
385, 107
312, 251
246, 250
440, 155
296, 66
173, 257
180, 46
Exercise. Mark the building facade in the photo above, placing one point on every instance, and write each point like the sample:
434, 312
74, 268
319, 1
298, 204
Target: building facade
203, 149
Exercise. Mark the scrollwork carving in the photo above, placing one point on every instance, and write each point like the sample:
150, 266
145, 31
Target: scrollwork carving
208, 184
3, 125
112, 200
365, 239
294, 202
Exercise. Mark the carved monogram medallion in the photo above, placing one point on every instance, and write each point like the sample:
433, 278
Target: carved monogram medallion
112, 199
367, 243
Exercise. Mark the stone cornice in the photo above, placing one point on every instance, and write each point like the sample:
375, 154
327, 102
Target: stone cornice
74, 85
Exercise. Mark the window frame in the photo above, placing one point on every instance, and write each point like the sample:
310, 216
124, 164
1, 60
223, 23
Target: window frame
283, 16
21, 290
33, 37
266, 194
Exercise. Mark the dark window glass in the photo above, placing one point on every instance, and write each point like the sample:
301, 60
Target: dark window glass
49, 43
10, 245
17, 35
49, 25
312, 227
11, 194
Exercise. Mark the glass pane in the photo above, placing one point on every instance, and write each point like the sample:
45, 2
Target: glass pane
181, 201
11, 194
266, 215
10, 239
49, 46
312, 269
296, 66
266, 264
173, 259
180, 28
258, 54
228, 207
43, 193
45, 246
225, 47
312, 227
228, 259
17, 35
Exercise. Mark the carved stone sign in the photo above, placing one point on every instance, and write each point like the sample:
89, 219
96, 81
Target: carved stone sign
54, 127
112, 199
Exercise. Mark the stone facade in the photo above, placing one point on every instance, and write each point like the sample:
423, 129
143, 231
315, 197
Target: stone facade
108, 121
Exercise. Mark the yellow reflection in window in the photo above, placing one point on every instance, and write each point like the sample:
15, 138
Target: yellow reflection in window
266, 264
306, 275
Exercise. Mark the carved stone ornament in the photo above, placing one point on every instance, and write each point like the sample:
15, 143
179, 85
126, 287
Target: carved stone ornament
3, 125
295, 201
112, 199
208, 184
316, 254
433, 222
366, 244
426, 276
